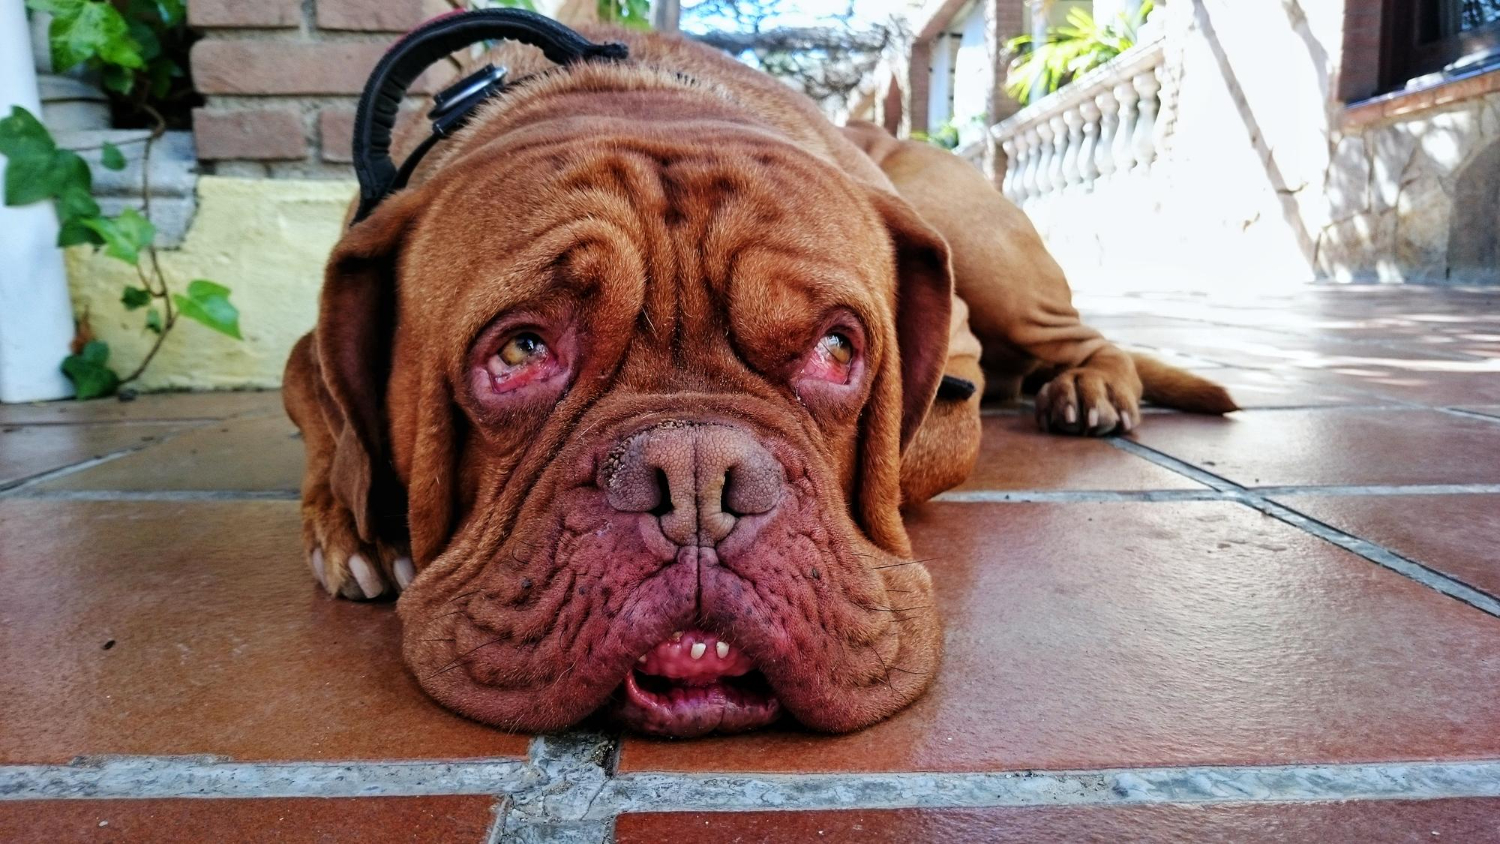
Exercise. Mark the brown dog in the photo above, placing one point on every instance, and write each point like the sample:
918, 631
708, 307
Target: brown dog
625, 393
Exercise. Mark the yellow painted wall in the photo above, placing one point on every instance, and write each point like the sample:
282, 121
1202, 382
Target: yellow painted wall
264, 239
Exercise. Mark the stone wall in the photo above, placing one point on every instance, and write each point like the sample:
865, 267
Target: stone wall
1412, 197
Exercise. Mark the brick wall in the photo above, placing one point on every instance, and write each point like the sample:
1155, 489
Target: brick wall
281, 78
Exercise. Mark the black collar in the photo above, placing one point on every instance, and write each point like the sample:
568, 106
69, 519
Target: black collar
405, 61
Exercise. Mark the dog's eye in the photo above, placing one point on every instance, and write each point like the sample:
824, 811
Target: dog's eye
522, 349
523, 359
837, 348
832, 359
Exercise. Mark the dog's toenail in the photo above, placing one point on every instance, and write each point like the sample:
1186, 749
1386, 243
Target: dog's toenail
1070, 415
1093, 417
364, 574
317, 567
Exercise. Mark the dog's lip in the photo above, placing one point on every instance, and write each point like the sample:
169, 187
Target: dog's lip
691, 684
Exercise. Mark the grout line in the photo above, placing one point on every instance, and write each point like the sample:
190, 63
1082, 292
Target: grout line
157, 776
1375, 553
1469, 414
569, 791
17, 487
1016, 496
1028, 496
1133, 786
160, 495
117, 423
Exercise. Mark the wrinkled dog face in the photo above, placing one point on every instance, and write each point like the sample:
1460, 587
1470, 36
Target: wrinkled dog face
647, 399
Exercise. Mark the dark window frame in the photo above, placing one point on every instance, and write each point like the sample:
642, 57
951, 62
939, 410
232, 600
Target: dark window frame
1385, 49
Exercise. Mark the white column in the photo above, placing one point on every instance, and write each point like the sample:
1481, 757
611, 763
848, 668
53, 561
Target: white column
1056, 177
1146, 86
1041, 175
36, 316
1072, 175
1008, 184
1109, 108
1124, 148
1087, 171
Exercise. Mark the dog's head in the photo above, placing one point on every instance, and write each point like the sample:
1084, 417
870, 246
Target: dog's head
642, 397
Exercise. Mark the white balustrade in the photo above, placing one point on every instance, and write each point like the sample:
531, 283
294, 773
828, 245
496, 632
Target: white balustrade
1101, 126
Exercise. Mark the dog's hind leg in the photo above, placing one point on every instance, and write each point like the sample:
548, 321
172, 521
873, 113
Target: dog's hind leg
1020, 306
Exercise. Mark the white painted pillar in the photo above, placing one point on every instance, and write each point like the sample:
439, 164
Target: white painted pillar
36, 316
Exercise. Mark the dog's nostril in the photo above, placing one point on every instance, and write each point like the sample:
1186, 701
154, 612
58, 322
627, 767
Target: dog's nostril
663, 494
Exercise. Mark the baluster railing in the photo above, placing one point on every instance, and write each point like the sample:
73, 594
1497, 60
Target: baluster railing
1100, 127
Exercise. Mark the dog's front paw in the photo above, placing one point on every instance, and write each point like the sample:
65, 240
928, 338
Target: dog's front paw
341, 562
1082, 401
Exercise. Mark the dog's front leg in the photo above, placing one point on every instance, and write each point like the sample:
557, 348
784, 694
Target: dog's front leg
343, 564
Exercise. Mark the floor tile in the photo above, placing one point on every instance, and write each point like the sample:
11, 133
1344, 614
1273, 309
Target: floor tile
1273, 388
163, 628
1409, 821
1453, 534
1142, 634
1014, 455
30, 450
261, 454
1434, 384
1332, 446
156, 407
309, 819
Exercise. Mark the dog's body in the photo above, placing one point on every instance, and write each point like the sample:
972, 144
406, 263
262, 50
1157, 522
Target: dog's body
626, 391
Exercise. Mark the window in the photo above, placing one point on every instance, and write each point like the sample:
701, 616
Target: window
1425, 37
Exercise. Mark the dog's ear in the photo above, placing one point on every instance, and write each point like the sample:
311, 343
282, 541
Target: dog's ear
924, 305
907, 381
356, 316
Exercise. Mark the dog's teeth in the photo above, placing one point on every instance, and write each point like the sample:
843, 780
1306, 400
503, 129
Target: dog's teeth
677, 637
722, 649
404, 571
642, 660
699, 649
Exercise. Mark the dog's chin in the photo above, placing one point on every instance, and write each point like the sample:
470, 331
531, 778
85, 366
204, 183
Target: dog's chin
692, 684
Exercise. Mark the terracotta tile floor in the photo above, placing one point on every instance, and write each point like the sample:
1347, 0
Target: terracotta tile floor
1280, 626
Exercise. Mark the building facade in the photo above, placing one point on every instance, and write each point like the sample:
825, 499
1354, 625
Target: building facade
1346, 140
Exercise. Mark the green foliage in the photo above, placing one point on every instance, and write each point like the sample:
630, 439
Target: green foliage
36, 169
208, 303
1077, 47
634, 14
508, 4
89, 371
122, 41
111, 157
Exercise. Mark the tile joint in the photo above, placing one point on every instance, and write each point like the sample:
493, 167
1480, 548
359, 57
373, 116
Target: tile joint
1256, 499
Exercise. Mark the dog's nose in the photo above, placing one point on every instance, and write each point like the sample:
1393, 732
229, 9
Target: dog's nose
697, 478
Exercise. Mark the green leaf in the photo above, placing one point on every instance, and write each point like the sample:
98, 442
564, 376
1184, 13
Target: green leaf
75, 233
92, 29
135, 297
55, 7
89, 371
172, 12
208, 303
153, 321
125, 235
111, 157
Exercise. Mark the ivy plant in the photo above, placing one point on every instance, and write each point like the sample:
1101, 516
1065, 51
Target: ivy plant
122, 42
635, 14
